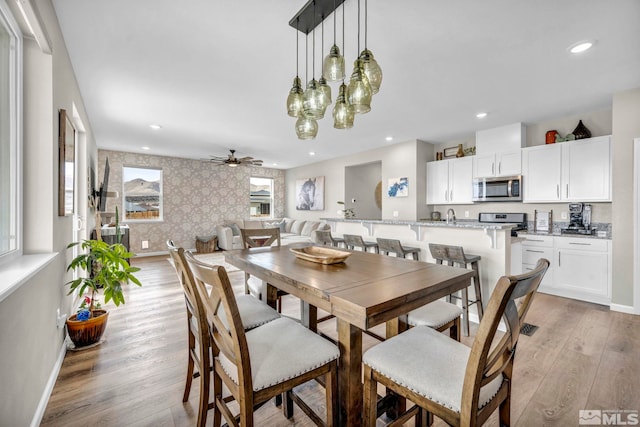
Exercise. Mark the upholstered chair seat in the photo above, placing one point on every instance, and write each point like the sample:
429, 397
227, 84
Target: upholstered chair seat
273, 358
435, 314
428, 363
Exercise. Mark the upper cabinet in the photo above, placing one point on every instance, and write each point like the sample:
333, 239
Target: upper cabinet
570, 171
498, 151
450, 181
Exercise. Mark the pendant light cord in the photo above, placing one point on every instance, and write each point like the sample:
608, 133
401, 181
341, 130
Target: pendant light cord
297, 46
306, 58
358, 52
343, 51
313, 56
334, 22
366, 20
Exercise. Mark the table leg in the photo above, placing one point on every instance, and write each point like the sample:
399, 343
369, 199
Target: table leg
270, 293
350, 389
309, 315
394, 327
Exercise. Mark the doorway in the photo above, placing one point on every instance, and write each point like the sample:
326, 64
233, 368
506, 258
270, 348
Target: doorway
362, 190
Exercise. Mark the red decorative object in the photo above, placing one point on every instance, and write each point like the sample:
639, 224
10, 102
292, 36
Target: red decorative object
551, 136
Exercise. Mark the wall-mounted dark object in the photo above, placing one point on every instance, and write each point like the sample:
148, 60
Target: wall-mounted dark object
304, 20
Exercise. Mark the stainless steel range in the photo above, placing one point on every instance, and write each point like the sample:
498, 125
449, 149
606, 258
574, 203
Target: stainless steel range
520, 219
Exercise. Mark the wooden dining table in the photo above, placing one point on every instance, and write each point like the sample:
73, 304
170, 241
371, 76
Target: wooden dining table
363, 291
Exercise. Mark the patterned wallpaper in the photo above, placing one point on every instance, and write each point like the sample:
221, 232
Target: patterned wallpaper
196, 197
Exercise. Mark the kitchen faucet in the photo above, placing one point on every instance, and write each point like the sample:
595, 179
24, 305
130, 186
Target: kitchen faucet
451, 215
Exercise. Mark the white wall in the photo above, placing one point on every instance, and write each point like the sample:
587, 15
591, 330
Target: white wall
29, 339
626, 127
398, 160
358, 182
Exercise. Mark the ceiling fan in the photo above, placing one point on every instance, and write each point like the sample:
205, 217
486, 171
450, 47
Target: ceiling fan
232, 161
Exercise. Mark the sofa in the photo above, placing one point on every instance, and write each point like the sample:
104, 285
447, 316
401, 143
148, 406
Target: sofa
291, 231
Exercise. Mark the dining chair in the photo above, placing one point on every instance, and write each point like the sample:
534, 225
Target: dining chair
455, 255
264, 362
387, 246
463, 386
353, 241
256, 238
253, 313
439, 315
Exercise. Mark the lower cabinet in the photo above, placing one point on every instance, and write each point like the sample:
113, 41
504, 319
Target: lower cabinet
580, 267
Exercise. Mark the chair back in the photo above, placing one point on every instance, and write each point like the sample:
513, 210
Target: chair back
454, 254
225, 325
258, 237
352, 240
390, 245
323, 237
193, 301
485, 365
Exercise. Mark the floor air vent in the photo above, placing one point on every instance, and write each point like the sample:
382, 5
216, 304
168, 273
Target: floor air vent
528, 329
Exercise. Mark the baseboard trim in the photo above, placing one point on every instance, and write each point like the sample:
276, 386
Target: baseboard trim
44, 399
624, 309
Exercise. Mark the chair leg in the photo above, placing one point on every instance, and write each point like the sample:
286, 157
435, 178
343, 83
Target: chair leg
217, 397
370, 410
424, 418
478, 289
246, 284
505, 410
454, 331
465, 313
188, 382
287, 408
331, 392
203, 408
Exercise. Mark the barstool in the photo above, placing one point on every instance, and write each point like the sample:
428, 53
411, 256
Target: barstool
324, 237
353, 241
394, 245
454, 255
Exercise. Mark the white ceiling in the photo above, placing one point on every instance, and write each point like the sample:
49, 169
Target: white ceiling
215, 74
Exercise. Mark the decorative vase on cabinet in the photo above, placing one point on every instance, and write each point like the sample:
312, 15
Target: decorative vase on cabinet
460, 152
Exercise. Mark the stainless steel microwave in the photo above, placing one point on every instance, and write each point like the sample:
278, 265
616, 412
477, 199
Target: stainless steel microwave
499, 189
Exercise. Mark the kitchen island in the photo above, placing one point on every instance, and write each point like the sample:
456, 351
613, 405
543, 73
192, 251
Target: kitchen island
493, 242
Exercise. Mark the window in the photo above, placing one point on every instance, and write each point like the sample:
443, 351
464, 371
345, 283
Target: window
261, 197
10, 119
142, 189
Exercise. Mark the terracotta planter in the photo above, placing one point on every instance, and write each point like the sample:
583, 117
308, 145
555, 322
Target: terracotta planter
87, 332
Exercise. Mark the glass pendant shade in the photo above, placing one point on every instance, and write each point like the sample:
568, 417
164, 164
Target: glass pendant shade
294, 100
333, 67
359, 90
312, 103
343, 114
372, 70
306, 128
326, 91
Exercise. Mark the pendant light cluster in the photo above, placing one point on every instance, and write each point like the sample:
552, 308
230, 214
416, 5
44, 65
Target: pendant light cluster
310, 105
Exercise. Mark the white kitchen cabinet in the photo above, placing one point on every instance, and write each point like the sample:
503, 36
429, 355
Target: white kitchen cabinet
450, 181
534, 248
583, 269
580, 267
541, 173
586, 169
573, 171
507, 163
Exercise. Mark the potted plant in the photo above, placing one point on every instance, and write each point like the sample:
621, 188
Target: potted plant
346, 213
107, 268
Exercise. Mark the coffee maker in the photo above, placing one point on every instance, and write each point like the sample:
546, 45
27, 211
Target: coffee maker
579, 219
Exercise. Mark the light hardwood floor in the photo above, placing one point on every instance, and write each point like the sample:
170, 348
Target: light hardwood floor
583, 356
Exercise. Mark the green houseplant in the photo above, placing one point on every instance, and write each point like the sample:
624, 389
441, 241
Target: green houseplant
107, 268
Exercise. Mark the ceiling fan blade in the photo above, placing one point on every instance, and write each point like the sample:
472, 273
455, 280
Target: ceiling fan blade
245, 159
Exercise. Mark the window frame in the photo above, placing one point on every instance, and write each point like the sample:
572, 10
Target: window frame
15, 197
160, 218
271, 198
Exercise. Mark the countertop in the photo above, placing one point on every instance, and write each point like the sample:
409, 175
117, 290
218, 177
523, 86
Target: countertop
579, 236
427, 223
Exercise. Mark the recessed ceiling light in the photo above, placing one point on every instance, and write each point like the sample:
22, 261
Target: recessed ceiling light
275, 164
312, 153
146, 148
481, 115
155, 127
581, 46
389, 138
